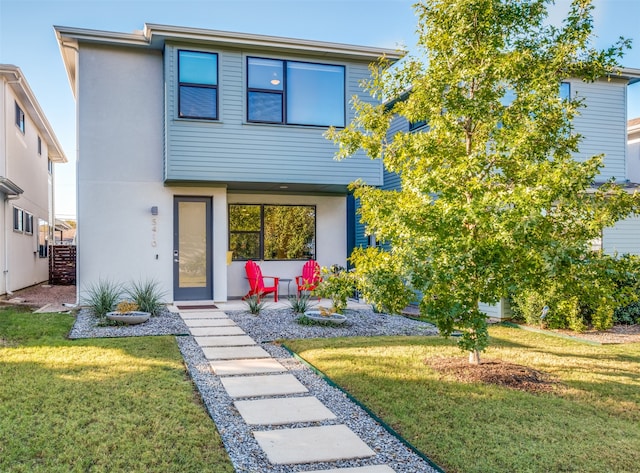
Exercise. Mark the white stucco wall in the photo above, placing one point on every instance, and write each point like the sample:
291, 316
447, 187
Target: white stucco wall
23, 165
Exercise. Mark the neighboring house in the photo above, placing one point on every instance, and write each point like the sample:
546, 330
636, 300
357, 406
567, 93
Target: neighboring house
603, 126
29, 148
193, 143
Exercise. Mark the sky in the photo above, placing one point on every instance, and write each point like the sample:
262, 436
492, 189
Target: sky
27, 40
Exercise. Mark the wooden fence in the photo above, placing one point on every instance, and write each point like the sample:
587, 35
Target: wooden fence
62, 265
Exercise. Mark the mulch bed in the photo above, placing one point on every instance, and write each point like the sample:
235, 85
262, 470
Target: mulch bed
496, 372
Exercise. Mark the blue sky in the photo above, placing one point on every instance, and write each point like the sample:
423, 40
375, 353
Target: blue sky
27, 40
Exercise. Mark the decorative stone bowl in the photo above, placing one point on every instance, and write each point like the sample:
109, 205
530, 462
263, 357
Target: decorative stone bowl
131, 318
333, 318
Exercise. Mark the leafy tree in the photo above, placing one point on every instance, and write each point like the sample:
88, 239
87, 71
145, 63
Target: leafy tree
491, 197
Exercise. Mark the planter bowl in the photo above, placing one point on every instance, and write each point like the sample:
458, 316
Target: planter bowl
131, 318
317, 316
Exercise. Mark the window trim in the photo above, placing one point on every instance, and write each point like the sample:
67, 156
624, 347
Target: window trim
20, 119
18, 220
261, 245
284, 93
216, 87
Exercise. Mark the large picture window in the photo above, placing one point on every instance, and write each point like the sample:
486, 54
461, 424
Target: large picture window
295, 93
198, 85
272, 232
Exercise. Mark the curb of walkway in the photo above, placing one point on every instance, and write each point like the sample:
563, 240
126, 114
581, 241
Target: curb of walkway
384, 425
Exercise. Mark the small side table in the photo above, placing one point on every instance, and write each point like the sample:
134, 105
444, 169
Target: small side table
288, 281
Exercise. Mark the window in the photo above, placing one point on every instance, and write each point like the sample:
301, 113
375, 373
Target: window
18, 219
39, 146
295, 93
50, 166
272, 232
19, 118
565, 90
43, 238
28, 223
417, 125
198, 85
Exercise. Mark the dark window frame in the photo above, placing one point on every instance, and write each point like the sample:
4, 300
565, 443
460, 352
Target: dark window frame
27, 223
201, 86
413, 126
20, 119
261, 232
39, 146
284, 93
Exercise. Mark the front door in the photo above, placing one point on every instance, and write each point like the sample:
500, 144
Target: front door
192, 253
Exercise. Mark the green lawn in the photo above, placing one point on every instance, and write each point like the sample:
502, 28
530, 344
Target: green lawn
591, 423
99, 405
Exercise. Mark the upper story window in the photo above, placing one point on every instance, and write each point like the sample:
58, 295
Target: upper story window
18, 219
50, 166
19, 118
565, 90
295, 93
198, 85
39, 146
418, 125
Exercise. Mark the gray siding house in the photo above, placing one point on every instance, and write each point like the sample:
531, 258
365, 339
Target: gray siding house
201, 149
603, 126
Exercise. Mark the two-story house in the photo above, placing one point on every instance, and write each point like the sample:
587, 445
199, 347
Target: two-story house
28, 150
201, 149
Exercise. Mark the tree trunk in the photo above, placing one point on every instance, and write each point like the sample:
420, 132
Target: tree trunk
474, 357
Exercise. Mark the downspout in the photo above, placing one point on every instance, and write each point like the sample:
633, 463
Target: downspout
7, 197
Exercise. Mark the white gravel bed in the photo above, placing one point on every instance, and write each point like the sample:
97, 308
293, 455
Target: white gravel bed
279, 324
244, 451
165, 323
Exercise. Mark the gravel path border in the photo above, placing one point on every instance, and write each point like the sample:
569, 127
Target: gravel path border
245, 453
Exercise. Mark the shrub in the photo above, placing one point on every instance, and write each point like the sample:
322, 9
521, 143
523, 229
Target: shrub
147, 295
585, 295
628, 314
337, 284
102, 297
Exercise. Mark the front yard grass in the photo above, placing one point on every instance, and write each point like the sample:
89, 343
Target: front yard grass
98, 405
589, 423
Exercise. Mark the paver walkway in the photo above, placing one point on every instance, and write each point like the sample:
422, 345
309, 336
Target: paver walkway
266, 395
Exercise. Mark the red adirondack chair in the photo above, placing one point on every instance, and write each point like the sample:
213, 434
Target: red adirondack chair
256, 282
310, 277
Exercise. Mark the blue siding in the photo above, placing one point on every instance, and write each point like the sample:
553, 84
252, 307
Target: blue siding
233, 151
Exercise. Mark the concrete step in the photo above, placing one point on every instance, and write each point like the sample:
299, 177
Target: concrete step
264, 385
225, 341
256, 366
203, 315
283, 410
234, 353
216, 331
359, 469
210, 323
312, 444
